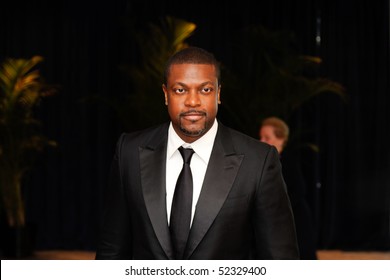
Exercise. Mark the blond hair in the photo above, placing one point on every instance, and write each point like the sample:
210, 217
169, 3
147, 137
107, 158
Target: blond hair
281, 129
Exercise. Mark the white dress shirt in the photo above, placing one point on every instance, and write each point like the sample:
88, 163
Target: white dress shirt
199, 161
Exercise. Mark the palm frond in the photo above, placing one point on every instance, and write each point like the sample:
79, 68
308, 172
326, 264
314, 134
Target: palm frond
21, 89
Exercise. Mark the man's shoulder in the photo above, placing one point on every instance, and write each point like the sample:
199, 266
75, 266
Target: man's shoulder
241, 140
142, 136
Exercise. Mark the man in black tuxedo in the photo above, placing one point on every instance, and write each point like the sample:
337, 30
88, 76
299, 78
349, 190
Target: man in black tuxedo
240, 208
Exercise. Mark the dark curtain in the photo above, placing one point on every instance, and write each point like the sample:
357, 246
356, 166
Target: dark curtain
355, 136
84, 43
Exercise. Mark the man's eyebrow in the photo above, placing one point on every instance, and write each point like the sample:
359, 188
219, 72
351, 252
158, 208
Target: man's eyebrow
202, 84
206, 83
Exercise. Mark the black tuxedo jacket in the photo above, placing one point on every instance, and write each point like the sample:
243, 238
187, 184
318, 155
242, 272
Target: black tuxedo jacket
243, 211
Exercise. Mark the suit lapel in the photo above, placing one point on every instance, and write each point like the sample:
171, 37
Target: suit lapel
152, 166
221, 171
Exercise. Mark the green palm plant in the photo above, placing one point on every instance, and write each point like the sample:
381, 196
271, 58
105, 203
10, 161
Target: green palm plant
21, 90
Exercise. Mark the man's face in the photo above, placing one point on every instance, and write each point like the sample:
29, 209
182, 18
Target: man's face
267, 135
192, 95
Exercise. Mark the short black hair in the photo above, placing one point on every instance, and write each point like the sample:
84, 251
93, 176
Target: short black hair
192, 55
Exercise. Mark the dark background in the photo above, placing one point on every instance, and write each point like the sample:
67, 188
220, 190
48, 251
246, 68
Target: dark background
83, 44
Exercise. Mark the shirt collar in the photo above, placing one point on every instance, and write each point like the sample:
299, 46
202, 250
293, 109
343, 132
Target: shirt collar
202, 146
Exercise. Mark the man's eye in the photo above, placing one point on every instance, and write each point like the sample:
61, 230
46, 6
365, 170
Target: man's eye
179, 90
207, 90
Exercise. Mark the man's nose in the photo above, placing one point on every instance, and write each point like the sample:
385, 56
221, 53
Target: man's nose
193, 99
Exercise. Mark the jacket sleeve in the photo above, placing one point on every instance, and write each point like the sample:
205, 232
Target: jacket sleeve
115, 230
273, 220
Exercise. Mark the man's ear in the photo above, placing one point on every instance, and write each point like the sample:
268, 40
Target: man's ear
164, 88
219, 94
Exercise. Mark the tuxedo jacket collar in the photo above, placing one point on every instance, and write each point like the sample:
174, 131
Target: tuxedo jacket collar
221, 171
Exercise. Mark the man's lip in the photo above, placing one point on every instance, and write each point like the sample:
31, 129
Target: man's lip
193, 116
193, 113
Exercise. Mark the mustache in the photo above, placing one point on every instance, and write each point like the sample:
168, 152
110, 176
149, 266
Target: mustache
191, 112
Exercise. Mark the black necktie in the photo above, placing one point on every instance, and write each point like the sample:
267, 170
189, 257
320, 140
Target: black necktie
182, 205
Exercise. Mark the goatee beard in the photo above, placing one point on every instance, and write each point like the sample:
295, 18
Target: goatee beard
196, 132
192, 133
